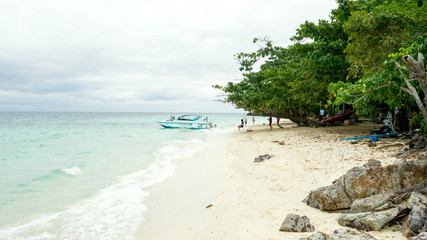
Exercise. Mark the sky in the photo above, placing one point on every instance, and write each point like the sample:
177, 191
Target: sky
135, 55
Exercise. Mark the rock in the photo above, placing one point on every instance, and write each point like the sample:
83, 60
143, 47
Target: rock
318, 236
340, 234
420, 187
282, 142
362, 182
417, 220
296, 223
417, 142
421, 236
370, 221
263, 157
351, 234
373, 203
371, 143
372, 163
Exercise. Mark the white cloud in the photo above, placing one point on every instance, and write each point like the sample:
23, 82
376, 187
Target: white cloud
138, 55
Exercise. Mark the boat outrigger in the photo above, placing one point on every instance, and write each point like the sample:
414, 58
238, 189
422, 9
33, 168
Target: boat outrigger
187, 121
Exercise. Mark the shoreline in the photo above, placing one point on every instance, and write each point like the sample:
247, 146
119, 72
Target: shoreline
249, 200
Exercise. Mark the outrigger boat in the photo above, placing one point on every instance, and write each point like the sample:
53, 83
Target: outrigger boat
335, 118
187, 121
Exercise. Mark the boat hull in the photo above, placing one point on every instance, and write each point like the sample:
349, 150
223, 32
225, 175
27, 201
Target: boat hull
343, 116
187, 125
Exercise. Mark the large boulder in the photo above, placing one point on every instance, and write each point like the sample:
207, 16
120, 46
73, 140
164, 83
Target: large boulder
340, 234
296, 223
362, 182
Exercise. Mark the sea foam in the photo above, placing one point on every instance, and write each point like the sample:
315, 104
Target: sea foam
113, 213
75, 171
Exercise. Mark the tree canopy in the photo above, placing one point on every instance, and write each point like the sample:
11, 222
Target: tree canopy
350, 58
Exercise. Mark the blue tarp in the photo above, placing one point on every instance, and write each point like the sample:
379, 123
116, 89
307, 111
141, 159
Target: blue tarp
371, 136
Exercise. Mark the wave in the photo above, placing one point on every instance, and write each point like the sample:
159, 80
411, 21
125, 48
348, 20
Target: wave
114, 212
52, 176
74, 171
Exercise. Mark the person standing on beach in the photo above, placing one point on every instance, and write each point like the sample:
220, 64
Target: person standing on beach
240, 125
253, 120
270, 120
246, 122
278, 124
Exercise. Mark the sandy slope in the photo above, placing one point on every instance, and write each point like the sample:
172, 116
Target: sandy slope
251, 199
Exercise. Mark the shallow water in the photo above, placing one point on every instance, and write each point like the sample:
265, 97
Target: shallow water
85, 175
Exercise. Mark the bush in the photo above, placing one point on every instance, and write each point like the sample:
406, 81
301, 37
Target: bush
417, 123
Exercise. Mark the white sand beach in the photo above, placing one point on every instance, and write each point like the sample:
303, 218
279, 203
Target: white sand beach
223, 194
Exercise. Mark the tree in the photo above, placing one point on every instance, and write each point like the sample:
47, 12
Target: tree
292, 81
417, 72
378, 30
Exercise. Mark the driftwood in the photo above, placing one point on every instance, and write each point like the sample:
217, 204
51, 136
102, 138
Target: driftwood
405, 145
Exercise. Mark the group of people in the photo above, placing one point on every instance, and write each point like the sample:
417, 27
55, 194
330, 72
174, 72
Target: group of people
244, 123
270, 121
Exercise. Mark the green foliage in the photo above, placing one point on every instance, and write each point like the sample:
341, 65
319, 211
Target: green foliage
379, 32
375, 31
417, 123
346, 59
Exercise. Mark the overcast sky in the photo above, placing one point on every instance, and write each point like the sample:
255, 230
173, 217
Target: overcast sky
134, 55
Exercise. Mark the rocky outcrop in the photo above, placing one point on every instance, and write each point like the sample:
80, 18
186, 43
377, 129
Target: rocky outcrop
373, 203
296, 223
369, 180
340, 234
420, 187
370, 221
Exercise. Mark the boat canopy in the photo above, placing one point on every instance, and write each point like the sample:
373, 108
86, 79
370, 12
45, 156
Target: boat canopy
189, 117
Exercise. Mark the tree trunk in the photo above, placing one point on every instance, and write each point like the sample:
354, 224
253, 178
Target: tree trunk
417, 72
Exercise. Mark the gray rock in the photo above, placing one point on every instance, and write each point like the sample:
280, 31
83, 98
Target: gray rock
352, 234
372, 163
340, 234
417, 142
296, 223
362, 182
417, 220
421, 236
318, 236
376, 202
261, 158
420, 187
370, 221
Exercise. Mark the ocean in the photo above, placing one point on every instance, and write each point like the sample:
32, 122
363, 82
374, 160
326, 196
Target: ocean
82, 176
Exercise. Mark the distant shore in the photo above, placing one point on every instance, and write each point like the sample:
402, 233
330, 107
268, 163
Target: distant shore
221, 193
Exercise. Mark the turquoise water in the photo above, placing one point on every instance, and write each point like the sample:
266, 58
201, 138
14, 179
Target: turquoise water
85, 175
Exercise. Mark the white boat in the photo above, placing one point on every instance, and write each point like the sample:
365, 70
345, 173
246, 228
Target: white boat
187, 121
